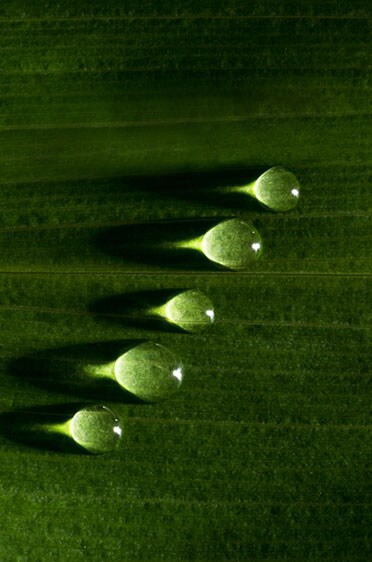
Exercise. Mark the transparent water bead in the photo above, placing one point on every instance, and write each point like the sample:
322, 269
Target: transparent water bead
190, 310
277, 189
96, 428
233, 243
150, 371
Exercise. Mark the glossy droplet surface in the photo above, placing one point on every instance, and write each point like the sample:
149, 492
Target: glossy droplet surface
277, 189
191, 310
150, 371
232, 243
96, 428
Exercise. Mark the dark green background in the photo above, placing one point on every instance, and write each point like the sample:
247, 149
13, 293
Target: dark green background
265, 454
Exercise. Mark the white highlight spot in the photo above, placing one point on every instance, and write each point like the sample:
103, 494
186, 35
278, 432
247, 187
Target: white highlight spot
256, 246
295, 192
210, 314
178, 373
117, 430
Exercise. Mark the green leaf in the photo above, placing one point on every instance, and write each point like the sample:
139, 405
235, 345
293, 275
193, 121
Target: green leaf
120, 126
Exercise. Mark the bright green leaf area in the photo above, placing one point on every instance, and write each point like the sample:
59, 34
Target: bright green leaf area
115, 116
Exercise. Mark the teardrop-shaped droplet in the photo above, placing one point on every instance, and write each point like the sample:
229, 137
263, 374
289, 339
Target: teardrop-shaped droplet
150, 371
277, 189
191, 310
96, 428
233, 243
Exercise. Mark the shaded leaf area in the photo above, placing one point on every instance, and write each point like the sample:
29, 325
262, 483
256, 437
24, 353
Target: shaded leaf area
122, 128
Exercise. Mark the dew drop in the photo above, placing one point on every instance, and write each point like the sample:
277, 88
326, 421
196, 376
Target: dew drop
233, 243
190, 310
277, 189
96, 428
150, 371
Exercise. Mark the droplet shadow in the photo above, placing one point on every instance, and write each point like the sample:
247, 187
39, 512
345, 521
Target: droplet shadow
65, 370
134, 309
210, 187
157, 244
31, 427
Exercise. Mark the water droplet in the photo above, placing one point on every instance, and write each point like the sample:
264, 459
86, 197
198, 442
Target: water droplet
96, 428
191, 310
150, 371
277, 189
233, 243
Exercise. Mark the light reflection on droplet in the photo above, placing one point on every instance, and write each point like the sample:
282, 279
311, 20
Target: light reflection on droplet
210, 314
117, 430
178, 374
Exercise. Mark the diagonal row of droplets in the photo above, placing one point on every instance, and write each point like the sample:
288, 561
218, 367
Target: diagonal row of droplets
234, 243
151, 371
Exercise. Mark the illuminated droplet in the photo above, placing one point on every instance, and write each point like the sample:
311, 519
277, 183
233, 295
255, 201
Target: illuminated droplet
277, 189
232, 243
96, 428
150, 371
190, 310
